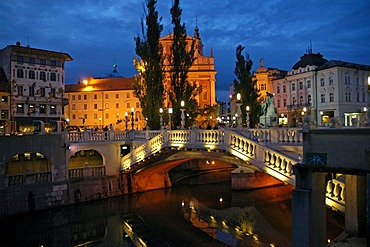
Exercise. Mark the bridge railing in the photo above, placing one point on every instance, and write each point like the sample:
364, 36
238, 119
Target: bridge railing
271, 161
27, 178
287, 136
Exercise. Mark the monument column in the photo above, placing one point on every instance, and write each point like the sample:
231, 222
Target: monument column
308, 208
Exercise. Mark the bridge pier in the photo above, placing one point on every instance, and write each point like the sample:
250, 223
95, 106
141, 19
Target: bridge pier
308, 209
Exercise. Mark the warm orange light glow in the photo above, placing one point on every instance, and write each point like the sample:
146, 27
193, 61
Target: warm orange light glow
85, 82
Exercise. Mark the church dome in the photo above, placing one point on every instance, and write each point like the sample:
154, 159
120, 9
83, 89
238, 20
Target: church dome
310, 59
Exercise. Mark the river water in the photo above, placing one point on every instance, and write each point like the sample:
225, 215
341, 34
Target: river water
186, 215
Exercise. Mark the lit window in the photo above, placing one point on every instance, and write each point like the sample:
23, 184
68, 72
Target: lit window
43, 108
20, 108
53, 109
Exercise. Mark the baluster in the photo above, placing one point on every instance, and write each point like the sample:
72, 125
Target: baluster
330, 188
283, 165
338, 191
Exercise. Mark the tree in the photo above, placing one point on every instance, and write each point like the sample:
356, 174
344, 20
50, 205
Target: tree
246, 86
148, 85
180, 62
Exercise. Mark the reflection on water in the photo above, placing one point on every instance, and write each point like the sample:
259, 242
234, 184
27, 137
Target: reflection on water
164, 218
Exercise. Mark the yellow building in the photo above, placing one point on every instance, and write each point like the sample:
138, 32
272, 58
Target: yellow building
201, 73
100, 102
264, 77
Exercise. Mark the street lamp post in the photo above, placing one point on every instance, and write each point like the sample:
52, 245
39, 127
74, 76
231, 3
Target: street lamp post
247, 111
238, 110
170, 111
126, 120
161, 117
182, 109
132, 118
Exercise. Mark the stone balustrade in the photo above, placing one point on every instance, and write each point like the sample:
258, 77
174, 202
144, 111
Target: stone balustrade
27, 178
87, 171
287, 136
335, 193
267, 159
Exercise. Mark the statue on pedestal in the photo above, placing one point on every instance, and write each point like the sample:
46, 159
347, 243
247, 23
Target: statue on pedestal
268, 111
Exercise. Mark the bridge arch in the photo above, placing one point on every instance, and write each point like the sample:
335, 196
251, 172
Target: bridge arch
27, 168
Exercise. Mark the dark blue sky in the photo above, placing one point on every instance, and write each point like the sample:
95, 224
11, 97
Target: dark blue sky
99, 33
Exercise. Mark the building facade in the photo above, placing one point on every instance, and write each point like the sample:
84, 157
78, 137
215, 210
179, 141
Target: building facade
100, 102
35, 82
323, 89
201, 73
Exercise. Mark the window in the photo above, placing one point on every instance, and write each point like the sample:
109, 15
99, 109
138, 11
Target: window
79, 97
294, 101
106, 105
31, 108
347, 80
20, 90
31, 60
278, 103
42, 61
331, 80
357, 81
348, 97
4, 114
53, 77
95, 116
331, 97
137, 104
284, 88
106, 96
205, 95
300, 85
52, 92
31, 91
73, 107
363, 97
293, 86
31, 74
85, 116
85, 106
20, 108
43, 76
73, 97
128, 95
117, 105
278, 89
322, 98
42, 109
95, 96
309, 99
73, 116
53, 109
301, 99
117, 96
42, 91
95, 106
322, 82
358, 97
4, 98
20, 59
85, 97
284, 102
106, 116
263, 86
128, 105
20, 73
309, 84
53, 63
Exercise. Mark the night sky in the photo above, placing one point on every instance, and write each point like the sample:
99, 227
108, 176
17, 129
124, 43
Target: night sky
100, 33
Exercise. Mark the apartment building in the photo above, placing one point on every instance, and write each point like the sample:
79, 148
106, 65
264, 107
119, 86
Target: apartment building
35, 80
